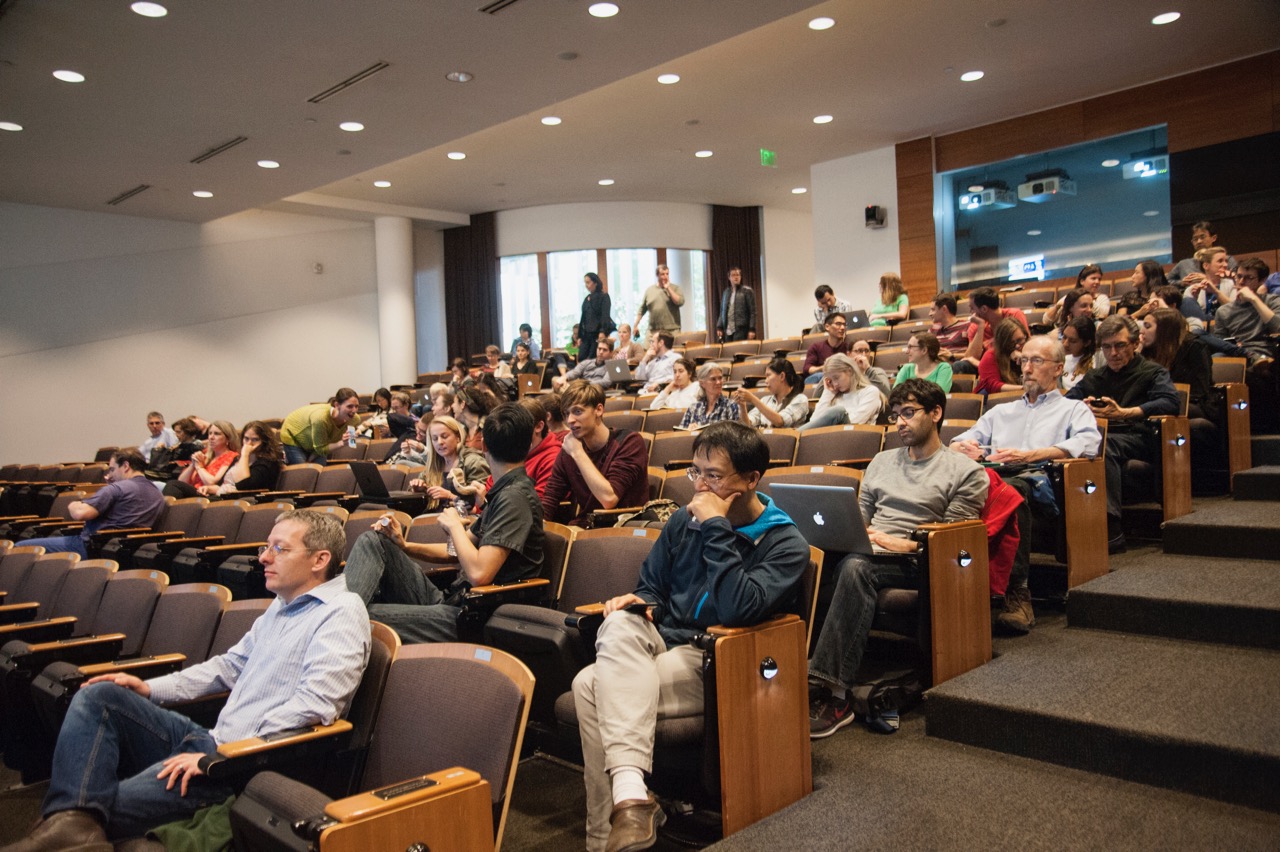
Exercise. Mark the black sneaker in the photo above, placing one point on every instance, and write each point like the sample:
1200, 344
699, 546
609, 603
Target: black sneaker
828, 715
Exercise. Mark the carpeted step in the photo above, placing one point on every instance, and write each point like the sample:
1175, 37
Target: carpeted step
1188, 716
1230, 601
1266, 449
1240, 529
1258, 483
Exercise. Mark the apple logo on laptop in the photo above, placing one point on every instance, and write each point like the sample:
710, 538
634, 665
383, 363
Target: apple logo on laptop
817, 518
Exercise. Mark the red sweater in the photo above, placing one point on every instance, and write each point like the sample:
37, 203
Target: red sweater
623, 460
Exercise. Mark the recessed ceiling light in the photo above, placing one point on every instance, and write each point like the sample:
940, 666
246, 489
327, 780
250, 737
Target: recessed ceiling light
1166, 18
603, 10
703, 153
69, 76
605, 182
1033, 233
202, 193
799, 190
9, 125
550, 120
822, 119
1110, 164
269, 164
822, 23
970, 76
382, 184
459, 76
456, 155
1152, 213
149, 10
668, 79
351, 126
977, 187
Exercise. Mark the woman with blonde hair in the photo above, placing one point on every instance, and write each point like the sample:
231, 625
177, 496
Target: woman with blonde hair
453, 469
847, 396
894, 304
210, 465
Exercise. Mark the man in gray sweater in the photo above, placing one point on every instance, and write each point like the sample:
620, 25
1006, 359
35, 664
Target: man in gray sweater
917, 484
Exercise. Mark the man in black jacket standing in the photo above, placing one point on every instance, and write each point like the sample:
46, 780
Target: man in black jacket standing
737, 310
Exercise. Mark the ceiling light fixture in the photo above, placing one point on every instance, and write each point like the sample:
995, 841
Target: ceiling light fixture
69, 76
1166, 18
822, 119
456, 155
822, 23
703, 154
605, 182
202, 193
1033, 233
550, 120
351, 126
382, 184
799, 190
1111, 163
602, 10
970, 76
269, 164
668, 79
149, 10
1151, 213
976, 187
10, 126
459, 76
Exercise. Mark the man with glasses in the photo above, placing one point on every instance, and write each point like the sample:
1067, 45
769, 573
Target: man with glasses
730, 557
919, 483
1126, 390
161, 435
124, 765
1042, 426
820, 350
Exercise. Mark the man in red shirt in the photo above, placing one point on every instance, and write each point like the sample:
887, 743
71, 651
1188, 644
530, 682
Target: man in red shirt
986, 315
821, 350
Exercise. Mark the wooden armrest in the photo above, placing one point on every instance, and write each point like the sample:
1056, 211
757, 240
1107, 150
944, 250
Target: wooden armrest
480, 591
143, 538
851, 462
719, 630
46, 629
244, 547
257, 753
598, 515
8, 519
953, 525
115, 533
18, 612
255, 745
175, 545
80, 650
269, 496
374, 802
134, 665
676, 464
590, 609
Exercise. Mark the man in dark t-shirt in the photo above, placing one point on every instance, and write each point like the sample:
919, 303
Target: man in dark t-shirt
505, 545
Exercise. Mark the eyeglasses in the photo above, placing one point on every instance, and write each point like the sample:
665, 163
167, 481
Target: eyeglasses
277, 550
914, 346
713, 379
866, 351
712, 479
1115, 347
1035, 361
907, 413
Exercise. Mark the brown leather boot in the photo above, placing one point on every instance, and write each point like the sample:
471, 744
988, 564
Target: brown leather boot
64, 831
635, 825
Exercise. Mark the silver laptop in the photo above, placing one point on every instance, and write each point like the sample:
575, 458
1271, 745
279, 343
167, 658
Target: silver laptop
827, 516
619, 371
856, 319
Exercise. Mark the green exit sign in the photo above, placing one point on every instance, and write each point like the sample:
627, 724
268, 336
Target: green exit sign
768, 158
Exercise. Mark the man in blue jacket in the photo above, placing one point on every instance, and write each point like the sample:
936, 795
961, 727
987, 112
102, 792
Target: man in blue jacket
730, 557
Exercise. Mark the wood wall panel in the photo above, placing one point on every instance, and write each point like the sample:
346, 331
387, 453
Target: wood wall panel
917, 253
1027, 134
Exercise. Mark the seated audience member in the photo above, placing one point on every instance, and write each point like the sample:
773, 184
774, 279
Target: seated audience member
860, 352
681, 391
504, 545
189, 444
400, 420
847, 396
161, 435
526, 337
258, 465
124, 765
494, 364
545, 445
952, 333
986, 315
1147, 277
835, 342
628, 350
785, 406
522, 364
1127, 390
1202, 237
894, 306
712, 403
998, 371
210, 465
1209, 288
657, 367
737, 319
1167, 341
453, 469
919, 483
414, 450
201, 425
1077, 303
312, 432
1079, 339
827, 305
598, 467
595, 370
375, 419
1088, 279
1251, 318
923, 352
129, 500
730, 557
1042, 426
470, 407
551, 401
461, 373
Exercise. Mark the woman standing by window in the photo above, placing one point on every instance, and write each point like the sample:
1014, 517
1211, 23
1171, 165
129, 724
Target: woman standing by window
596, 321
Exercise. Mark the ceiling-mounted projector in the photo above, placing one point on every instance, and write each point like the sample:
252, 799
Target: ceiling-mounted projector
996, 195
1046, 186
1146, 164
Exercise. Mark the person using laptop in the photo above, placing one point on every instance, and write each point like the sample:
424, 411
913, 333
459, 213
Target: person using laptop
594, 370
730, 557
916, 484
827, 304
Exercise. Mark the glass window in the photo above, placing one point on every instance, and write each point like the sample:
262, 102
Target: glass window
565, 270
689, 270
630, 274
521, 302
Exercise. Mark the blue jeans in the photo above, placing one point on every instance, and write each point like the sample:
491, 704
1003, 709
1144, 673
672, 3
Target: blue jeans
813, 378
397, 593
833, 416
59, 544
840, 646
295, 455
112, 733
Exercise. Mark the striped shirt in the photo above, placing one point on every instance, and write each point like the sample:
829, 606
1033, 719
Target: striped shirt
298, 665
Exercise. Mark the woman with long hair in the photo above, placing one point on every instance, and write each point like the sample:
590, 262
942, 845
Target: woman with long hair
210, 465
258, 466
596, 320
680, 392
1168, 341
1077, 303
784, 406
312, 432
1090, 278
711, 404
453, 469
847, 395
997, 371
1147, 277
1080, 340
923, 362
894, 304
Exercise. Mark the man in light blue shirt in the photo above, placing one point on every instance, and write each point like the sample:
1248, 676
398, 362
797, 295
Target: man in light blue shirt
1042, 426
658, 366
124, 765
161, 436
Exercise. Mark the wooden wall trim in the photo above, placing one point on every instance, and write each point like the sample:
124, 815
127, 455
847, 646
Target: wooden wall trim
918, 259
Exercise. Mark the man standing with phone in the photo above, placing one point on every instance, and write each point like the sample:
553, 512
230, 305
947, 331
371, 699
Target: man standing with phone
662, 303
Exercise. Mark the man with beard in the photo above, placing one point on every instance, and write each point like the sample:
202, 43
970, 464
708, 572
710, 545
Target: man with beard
919, 483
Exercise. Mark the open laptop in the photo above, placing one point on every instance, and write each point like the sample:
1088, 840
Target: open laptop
827, 516
856, 319
527, 383
373, 489
619, 372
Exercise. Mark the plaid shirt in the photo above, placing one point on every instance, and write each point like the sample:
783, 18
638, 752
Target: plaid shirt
697, 414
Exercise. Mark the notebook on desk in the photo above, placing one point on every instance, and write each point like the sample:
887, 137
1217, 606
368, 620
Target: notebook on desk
827, 516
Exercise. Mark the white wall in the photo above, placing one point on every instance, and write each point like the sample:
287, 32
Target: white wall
608, 224
787, 243
105, 317
848, 255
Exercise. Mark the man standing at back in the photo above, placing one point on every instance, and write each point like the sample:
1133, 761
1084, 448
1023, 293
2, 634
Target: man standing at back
662, 303
737, 310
